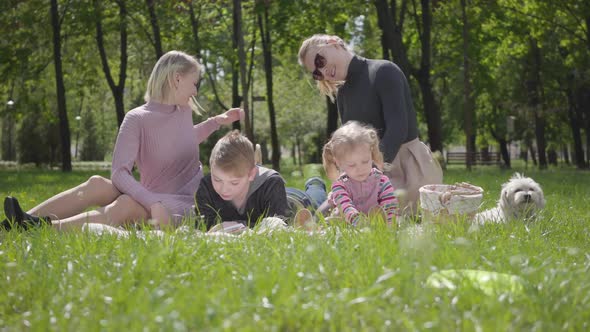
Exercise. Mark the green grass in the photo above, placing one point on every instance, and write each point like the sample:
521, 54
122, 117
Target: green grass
374, 279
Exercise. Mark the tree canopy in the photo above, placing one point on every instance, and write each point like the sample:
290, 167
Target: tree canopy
483, 73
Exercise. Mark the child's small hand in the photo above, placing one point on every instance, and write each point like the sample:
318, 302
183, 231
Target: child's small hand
234, 114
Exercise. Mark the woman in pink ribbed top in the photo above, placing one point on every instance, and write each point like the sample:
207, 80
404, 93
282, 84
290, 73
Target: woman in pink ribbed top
158, 137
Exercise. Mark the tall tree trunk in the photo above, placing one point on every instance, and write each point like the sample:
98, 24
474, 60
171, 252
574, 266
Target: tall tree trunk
541, 141
155, 28
552, 156
331, 124
64, 127
565, 153
78, 124
264, 25
8, 125
468, 108
587, 164
299, 157
316, 157
250, 76
8, 150
584, 109
535, 88
242, 61
264, 151
575, 122
431, 108
532, 152
384, 48
116, 89
392, 28
431, 112
195, 27
294, 153
504, 152
236, 100
587, 94
503, 144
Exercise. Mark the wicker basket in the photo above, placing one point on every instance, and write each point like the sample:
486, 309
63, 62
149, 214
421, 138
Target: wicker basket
442, 203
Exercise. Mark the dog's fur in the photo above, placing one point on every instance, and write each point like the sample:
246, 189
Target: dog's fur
521, 199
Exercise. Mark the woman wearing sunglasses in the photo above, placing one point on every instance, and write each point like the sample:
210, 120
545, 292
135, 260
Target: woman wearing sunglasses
375, 92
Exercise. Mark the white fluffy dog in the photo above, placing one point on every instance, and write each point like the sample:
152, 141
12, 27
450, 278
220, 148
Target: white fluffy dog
521, 199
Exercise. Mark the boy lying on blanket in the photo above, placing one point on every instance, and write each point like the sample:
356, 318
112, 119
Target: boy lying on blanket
238, 193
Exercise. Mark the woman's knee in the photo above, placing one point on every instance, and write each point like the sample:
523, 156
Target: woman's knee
97, 181
125, 208
102, 187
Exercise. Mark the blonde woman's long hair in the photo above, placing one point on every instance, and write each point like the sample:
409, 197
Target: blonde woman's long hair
161, 82
346, 138
313, 43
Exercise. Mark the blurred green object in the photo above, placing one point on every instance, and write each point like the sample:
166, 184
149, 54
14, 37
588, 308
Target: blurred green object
490, 283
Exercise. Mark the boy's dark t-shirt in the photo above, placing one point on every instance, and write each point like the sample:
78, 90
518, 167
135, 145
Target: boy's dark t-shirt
266, 198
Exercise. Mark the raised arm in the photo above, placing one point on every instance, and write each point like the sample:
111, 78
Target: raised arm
207, 127
124, 156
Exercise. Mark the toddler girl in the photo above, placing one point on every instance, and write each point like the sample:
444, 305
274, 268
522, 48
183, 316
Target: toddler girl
352, 160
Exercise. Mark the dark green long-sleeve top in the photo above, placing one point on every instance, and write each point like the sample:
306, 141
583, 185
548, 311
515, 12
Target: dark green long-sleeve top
376, 92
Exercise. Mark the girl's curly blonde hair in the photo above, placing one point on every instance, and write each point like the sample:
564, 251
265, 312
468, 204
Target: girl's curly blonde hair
346, 138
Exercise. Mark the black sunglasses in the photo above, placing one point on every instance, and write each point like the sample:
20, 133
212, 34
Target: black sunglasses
319, 62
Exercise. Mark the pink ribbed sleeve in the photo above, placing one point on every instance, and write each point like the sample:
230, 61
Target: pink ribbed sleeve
205, 129
124, 156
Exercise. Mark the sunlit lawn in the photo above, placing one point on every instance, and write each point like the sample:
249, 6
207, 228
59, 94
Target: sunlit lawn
371, 279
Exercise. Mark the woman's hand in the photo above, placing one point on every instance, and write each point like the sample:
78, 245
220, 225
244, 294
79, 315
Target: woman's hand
159, 214
234, 114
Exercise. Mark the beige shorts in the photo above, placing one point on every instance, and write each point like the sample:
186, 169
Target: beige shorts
412, 168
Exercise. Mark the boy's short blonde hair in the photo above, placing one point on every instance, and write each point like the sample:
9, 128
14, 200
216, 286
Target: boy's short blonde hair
233, 153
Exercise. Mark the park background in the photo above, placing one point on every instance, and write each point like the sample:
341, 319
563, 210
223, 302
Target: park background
510, 77
494, 76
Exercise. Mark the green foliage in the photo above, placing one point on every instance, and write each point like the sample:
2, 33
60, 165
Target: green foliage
300, 109
93, 148
29, 137
499, 35
38, 140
